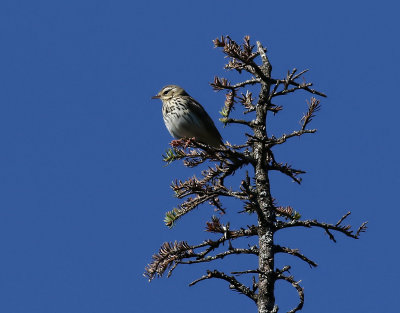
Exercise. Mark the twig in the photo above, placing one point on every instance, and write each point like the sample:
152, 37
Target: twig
284, 137
289, 78
361, 229
299, 74
342, 218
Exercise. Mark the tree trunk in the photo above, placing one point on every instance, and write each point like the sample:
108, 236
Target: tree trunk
266, 213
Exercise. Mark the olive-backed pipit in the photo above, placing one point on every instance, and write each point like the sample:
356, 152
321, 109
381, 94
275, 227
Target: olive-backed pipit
184, 117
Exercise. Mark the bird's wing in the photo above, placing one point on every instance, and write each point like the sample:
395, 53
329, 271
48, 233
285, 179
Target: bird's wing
204, 118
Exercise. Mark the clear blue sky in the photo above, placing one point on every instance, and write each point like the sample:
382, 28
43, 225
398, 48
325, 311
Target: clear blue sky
83, 190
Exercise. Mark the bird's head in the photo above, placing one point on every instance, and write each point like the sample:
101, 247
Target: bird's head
169, 92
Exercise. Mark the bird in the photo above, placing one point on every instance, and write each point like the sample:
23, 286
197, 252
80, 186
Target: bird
184, 117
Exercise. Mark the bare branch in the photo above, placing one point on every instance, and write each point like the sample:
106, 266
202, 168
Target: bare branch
361, 229
346, 230
232, 251
287, 170
294, 252
296, 285
299, 74
246, 272
274, 108
227, 235
172, 254
277, 83
234, 284
297, 133
252, 81
289, 77
343, 218
299, 86
227, 120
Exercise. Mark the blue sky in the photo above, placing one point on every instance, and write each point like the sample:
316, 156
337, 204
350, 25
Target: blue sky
83, 190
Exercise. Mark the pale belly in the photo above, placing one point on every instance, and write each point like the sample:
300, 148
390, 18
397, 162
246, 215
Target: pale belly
181, 125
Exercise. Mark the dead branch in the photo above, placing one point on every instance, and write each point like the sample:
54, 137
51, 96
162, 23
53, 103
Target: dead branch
296, 285
346, 230
294, 252
234, 284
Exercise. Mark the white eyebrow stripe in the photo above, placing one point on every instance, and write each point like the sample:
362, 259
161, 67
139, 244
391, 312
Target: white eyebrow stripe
167, 89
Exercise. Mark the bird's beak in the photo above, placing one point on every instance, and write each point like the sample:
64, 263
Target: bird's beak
155, 97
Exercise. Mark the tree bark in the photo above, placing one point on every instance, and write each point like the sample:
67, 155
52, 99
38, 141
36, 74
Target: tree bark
266, 214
